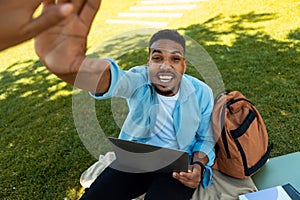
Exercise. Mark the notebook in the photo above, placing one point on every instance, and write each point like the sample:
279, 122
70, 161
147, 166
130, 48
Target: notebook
284, 192
138, 157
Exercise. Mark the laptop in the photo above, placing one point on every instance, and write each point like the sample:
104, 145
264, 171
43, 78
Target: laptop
137, 157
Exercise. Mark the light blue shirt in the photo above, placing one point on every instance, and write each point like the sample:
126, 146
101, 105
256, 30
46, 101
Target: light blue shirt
191, 114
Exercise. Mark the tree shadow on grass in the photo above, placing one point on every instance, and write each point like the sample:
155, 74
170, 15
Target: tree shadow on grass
41, 153
294, 35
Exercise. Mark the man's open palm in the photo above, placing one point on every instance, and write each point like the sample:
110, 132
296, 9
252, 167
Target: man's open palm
62, 48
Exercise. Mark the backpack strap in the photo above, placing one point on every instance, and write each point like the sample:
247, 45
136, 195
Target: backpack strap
260, 163
244, 126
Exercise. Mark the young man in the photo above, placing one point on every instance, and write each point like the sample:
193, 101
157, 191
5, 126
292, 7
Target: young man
166, 107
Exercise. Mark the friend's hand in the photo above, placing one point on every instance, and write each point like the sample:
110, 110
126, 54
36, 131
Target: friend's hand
18, 24
192, 178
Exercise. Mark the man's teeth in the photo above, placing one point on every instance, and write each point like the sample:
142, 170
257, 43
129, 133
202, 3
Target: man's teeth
165, 78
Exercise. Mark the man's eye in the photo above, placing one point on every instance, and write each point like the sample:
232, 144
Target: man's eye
156, 58
176, 59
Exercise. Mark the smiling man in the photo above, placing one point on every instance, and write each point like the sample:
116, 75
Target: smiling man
166, 106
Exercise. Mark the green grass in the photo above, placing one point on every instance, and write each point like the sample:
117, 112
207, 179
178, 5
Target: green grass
255, 45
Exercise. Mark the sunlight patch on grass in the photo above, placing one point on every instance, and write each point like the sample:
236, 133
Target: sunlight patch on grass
3, 96
228, 40
283, 113
60, 93
74, 193
59, 90
25, 81
28, 93
52, 78
57, 87
40, 70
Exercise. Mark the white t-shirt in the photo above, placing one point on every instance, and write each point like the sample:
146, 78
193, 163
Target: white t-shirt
164, 133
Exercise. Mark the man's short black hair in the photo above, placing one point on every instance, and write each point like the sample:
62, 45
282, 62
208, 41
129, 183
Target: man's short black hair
170, 35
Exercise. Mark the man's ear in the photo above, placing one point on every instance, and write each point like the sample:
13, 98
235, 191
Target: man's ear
185, 65
148, 59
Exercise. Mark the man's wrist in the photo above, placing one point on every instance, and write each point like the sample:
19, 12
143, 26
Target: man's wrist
202, 166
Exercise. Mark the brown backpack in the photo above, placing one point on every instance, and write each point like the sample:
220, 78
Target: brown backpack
242, 139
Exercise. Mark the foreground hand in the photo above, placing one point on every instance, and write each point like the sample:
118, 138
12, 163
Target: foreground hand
17, 23
62, 44
191, 179
62, 49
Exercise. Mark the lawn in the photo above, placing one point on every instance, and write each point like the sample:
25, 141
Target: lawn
255, 46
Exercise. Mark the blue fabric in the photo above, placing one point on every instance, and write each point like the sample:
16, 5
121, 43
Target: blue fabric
191, 114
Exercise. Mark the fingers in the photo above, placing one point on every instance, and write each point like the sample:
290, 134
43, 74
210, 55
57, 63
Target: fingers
51, 15
191, 179
183, 177
47, 2
78, 5
89, 10
189, 182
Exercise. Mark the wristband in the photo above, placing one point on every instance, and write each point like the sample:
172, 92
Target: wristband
202, 167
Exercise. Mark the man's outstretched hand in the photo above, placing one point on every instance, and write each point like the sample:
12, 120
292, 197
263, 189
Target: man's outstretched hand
62, 49
61, 46
18, 23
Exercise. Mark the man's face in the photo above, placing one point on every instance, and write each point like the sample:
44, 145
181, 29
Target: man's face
166, 65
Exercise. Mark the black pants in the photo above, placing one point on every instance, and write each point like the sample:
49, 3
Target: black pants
112, 184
